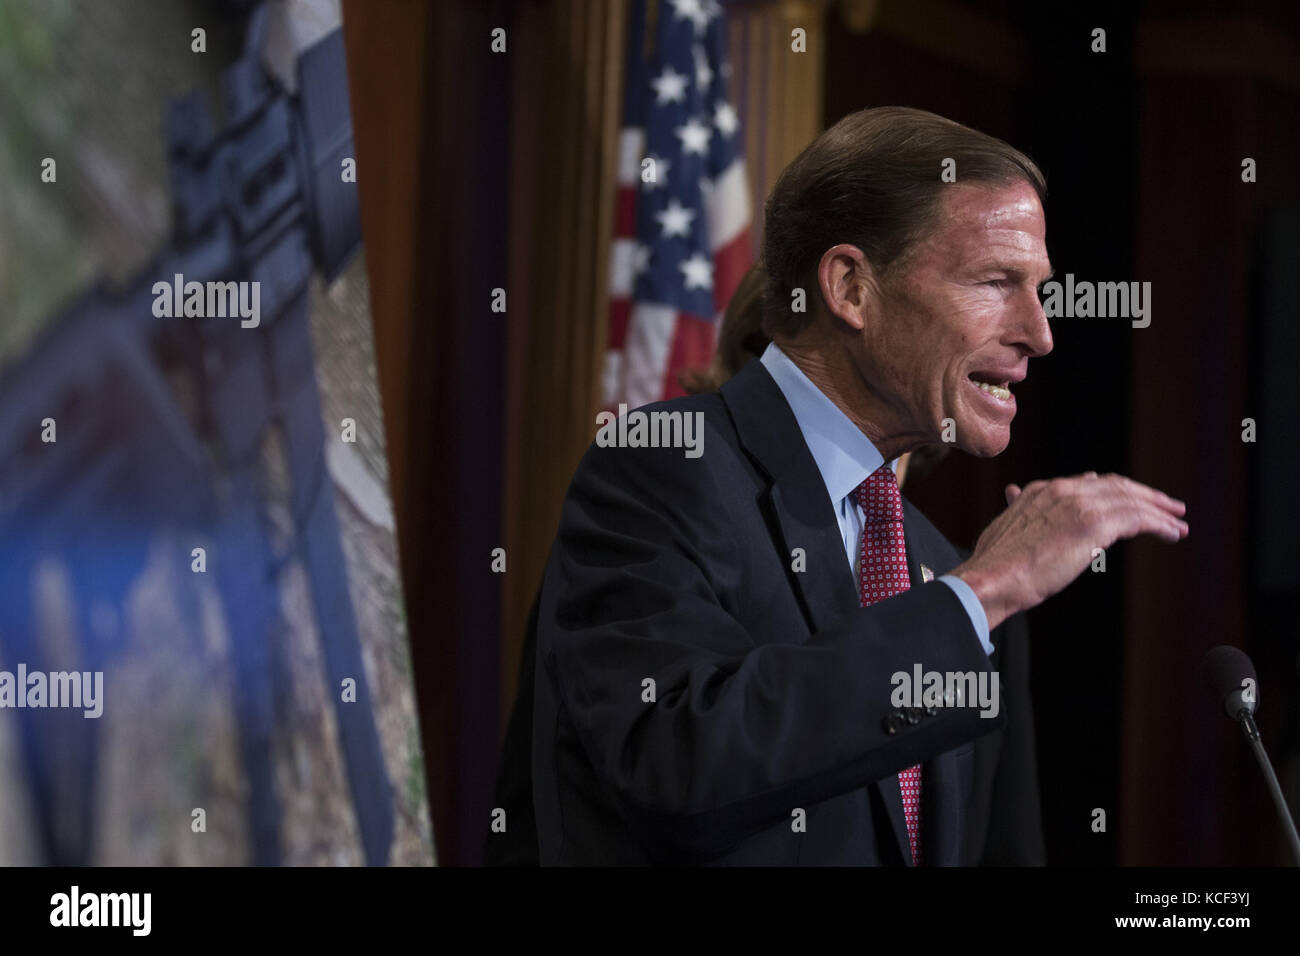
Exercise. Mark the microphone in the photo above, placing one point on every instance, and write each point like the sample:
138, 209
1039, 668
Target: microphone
1230, 676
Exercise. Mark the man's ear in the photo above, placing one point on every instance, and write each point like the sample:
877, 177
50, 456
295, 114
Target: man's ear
847, 285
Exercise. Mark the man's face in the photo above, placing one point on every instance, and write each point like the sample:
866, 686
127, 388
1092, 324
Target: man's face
960, 310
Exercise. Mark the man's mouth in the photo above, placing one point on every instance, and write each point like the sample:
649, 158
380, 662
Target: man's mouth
996, 385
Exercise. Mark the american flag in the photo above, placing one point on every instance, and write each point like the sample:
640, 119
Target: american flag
681, 237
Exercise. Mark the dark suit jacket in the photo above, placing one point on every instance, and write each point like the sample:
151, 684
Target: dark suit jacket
772, 686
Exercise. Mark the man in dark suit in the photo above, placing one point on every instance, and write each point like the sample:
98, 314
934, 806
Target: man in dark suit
1005, 823
723, 628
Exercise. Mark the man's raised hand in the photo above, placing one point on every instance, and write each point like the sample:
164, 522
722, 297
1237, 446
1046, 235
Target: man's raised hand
1046, 536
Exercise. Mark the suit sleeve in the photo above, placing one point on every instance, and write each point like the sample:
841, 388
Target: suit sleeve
645, 584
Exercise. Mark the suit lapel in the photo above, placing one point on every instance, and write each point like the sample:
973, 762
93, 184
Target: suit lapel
797, 504
807, 521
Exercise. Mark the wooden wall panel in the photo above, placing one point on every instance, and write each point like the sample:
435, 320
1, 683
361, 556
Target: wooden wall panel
567, 94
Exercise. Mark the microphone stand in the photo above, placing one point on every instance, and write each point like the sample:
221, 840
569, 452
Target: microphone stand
1251, 731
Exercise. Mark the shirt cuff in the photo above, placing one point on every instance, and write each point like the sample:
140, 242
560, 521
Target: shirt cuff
974, 609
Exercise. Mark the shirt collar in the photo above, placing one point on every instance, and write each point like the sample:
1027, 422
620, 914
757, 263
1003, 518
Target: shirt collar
844, 455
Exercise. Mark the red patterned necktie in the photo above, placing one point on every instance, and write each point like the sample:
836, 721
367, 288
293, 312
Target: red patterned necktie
882, 573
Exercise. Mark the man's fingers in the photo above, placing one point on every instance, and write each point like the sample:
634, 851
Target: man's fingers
1138, 490
1141, 517
1171, 530
1105, 493
1012, 492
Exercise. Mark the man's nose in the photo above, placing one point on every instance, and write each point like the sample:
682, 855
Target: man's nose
1033, 331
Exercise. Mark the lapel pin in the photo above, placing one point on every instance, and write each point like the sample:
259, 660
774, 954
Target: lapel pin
926, 574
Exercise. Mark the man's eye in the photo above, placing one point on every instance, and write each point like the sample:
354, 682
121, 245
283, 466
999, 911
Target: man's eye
997, 283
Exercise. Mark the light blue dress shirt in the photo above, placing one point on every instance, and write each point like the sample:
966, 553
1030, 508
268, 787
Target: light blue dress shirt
845, 457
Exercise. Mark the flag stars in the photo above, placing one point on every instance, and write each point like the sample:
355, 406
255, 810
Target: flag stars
725, 119
703, 72
675, 220
694, 136
670, 87
698, 271
692, 10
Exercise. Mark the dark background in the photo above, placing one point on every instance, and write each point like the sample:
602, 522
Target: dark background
1142, 148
